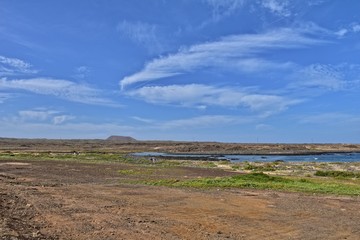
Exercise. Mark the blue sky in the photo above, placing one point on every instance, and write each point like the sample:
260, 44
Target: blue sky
204, 70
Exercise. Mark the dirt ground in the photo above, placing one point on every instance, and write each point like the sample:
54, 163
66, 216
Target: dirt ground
71, 200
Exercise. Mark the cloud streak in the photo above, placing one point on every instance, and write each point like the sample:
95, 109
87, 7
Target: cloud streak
63, 89
236, 48
82, 72
141, 33
38, 115
204, 95
201, 121
68, 130
277, 7
42, 115
14, 66
328, 77
4, 97
223, 8
332, 118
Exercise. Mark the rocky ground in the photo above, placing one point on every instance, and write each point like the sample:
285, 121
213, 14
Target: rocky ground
73, 200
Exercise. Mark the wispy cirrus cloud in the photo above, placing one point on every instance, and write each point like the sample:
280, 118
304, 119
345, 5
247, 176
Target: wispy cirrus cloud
319, 75
63, 89
352, 28
278, 7
81, 72
332, 118
223, 8
206, 95
15, 66
5, 96
70, 130
202, 121
355, 27
327, 76
144, 120
342, 32
234, 49
141, 33
41, 115
60, 119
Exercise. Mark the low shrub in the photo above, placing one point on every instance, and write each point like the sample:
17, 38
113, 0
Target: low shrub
337, 174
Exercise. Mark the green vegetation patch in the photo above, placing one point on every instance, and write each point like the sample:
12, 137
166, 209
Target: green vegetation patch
268, 167
337, 174
143, 171
89, 157
264, 181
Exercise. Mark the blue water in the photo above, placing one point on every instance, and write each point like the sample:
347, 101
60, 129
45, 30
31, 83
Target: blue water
330, 157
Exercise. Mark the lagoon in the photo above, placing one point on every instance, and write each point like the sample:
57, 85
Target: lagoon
325, 157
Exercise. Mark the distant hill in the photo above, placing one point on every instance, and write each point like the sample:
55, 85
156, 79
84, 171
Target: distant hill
121, 138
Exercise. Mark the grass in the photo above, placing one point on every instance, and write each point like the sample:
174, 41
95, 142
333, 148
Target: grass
337, 174
264, 181
136, 171
96, 157
129, 172
103, 157
268, 167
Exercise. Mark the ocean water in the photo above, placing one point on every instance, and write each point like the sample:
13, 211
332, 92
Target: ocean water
329, 157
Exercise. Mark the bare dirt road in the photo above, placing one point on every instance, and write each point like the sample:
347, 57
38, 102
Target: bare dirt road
69, 200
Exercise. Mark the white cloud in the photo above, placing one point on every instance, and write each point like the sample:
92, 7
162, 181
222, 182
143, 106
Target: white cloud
319, 75
40, 115
329, 77
142, 33
14, 66
69, 130
278, 7
82, 72
204, 95
341, 32
223, 8
258, 65
332, 118
61, 119
60, 88
144, 120
202, 122
214, 54
316, 2
5, 96
351, 28
263, 127
356, 27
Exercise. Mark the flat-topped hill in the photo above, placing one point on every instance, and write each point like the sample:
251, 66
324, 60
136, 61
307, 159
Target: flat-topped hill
121, 138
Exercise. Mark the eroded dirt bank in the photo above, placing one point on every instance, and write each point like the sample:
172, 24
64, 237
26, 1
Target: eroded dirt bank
65, 200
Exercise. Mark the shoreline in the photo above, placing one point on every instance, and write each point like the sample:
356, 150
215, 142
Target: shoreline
318, 157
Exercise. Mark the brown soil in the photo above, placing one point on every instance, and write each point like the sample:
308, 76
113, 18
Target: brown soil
68, 200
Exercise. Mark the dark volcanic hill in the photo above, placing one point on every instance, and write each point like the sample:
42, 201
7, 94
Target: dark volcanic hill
121, 138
